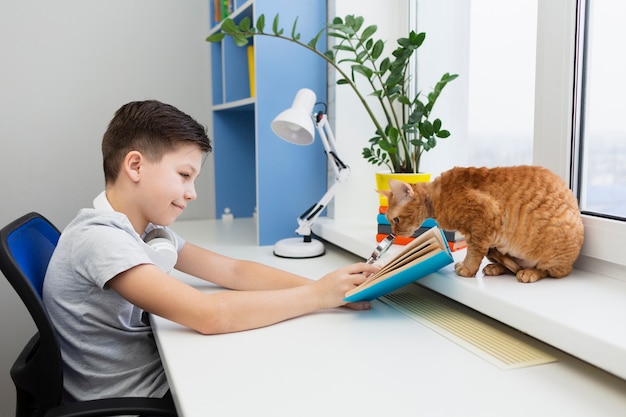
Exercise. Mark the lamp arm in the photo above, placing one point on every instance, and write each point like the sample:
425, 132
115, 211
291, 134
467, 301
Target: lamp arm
341, 171
328, 141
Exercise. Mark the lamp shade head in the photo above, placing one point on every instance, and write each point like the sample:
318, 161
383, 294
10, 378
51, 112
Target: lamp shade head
295, 124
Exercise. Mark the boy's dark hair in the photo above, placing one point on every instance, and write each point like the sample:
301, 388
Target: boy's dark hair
150, 127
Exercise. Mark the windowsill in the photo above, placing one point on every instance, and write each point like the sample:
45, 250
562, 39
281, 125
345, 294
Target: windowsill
582, 314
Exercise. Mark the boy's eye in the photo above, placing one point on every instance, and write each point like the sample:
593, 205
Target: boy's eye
184, 175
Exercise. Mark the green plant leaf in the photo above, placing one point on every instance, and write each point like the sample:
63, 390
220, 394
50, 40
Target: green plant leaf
343, 28
417, 39
216, 37
384, 65
293, 28
404, 100
342, 47
368, 32
275, 25
358, 22
404, 42
228, 26
426, 129
377, 50
313, 42
362, 69
260, 23
443, 134
240, 40
337, 35
244, 24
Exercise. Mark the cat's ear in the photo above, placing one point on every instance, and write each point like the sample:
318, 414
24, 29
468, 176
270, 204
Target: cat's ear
400, 189
386, 193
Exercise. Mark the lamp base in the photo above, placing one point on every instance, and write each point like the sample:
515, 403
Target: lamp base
296, 247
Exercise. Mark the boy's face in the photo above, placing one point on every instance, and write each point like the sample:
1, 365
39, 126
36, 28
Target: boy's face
169, 184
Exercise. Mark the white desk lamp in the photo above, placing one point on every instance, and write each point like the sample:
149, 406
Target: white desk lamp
295, 125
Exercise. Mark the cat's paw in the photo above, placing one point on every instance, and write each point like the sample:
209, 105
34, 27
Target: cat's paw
463, 271
530, 275
495, 269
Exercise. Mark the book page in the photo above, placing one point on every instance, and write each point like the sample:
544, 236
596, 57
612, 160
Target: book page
420, 247
431, 252
396, 263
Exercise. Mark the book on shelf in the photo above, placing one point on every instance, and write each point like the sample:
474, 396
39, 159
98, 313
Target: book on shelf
424, 255
251, 75
222, 9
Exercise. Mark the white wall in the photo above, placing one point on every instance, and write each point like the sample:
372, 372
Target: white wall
65, 67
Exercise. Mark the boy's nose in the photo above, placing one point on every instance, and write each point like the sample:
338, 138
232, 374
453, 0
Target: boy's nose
190, 194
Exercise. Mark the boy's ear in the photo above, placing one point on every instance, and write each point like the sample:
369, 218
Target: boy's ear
132, 165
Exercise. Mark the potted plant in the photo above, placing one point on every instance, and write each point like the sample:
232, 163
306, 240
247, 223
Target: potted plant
405, 130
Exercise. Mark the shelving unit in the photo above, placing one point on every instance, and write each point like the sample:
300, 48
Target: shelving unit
253, 167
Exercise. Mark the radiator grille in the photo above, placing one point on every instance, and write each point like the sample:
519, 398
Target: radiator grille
503, 347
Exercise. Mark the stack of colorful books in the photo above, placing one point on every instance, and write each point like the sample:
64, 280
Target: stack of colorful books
455, 240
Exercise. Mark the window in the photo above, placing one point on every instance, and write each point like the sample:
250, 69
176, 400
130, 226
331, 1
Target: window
601, 129
559, 96
501, 82
592, 162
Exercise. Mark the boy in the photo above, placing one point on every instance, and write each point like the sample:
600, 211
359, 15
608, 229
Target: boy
103, 278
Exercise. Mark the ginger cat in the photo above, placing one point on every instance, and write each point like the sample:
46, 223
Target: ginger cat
523, 218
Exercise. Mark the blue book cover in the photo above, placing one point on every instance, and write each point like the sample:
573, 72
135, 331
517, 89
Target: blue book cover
426, 254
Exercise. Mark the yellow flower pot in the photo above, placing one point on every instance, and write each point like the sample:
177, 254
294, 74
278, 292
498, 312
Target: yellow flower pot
382, 181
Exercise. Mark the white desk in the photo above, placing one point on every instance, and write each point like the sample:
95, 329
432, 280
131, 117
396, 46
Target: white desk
341, 362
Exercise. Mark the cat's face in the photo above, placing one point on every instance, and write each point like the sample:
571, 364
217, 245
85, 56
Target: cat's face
407, 207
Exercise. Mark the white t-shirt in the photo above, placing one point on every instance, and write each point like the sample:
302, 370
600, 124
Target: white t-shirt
107, 344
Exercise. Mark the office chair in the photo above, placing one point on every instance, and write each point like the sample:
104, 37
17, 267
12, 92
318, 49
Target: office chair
26, 246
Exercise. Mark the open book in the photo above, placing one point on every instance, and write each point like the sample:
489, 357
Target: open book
426, 254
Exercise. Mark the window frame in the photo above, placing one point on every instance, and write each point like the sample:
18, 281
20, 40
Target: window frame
557, 101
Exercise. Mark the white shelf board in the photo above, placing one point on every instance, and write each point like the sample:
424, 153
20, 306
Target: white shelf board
582, 314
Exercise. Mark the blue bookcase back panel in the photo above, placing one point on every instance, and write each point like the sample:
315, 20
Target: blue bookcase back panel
217, 74
290, 178
236, 79
235, 168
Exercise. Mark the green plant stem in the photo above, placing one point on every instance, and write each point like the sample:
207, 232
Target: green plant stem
330, 62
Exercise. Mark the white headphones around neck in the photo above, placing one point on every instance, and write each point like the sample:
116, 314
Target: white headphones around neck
163, 243
160, 243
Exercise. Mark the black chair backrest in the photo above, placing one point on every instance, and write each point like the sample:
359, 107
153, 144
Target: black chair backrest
26, 246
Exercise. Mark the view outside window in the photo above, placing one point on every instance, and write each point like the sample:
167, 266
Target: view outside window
502, 82
603, 110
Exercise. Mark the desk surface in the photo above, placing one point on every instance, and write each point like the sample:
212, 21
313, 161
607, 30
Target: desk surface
341, 362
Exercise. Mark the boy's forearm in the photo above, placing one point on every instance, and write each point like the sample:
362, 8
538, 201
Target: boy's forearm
233, 311
255, 276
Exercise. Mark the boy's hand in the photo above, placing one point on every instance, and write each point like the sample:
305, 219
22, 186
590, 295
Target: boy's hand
332, 288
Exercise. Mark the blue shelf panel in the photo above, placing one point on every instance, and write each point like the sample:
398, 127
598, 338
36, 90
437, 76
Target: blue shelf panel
217, 74
236, 80
235, 168
290, 178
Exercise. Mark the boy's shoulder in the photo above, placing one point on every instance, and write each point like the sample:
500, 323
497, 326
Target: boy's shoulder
89, 219
99, 230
